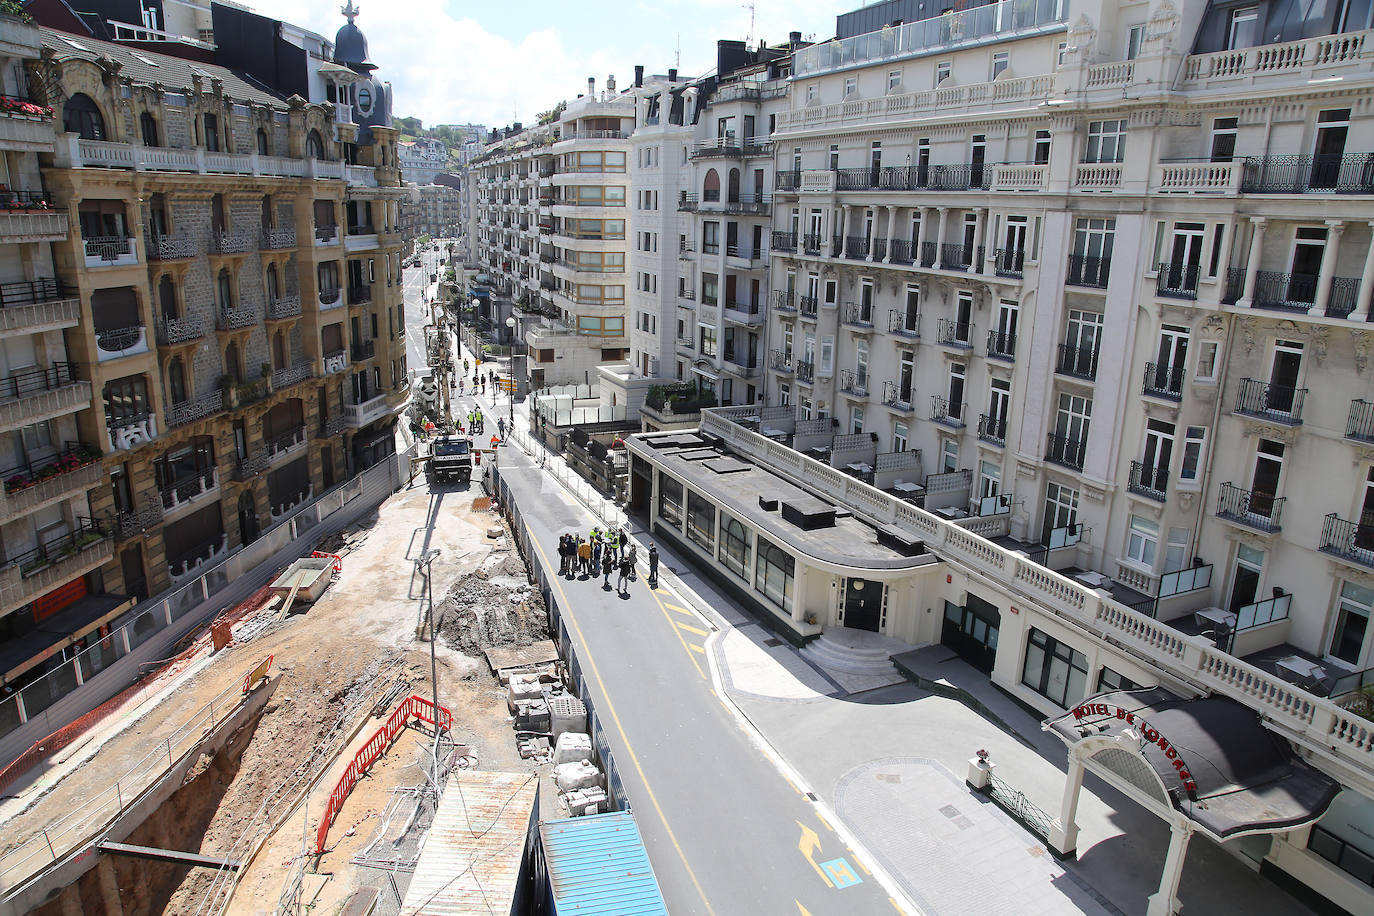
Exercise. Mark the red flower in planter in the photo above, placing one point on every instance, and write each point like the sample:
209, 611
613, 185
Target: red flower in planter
17, 482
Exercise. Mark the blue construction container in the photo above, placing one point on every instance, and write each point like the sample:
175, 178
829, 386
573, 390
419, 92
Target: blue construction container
597, 866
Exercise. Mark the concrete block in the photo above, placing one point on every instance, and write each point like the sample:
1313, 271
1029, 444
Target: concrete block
572, 747
522, 688
580, 775
532, 716
591, 800
567, 714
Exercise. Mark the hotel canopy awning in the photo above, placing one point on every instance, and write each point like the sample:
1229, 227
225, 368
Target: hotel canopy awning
1205, 764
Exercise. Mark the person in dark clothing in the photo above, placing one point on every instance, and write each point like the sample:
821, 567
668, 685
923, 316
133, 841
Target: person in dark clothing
653, 566
596, 554
607, 566
623, 586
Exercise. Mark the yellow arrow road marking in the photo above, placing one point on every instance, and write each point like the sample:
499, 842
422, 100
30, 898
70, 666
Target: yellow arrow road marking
810, 842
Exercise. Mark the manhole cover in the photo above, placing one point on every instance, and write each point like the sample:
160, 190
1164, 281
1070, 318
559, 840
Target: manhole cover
772, 642
950, 811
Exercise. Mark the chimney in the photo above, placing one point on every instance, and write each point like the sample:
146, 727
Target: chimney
591, 85
672, 75
793, 39
610, 84
639, 76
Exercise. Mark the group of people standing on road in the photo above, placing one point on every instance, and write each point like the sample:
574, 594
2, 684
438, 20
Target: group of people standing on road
603, 552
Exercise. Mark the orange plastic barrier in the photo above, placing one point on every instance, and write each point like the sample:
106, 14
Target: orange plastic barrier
412, 705
338, 560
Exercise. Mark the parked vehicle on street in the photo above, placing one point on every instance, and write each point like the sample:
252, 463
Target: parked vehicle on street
451, 460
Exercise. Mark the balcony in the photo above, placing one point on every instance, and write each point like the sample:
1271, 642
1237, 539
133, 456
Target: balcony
292, 375
171, 247
1088, 271
207, 405
1163, 381
787, 180
856, 247
956, 257
326, 235
362, 350
277, 239
360, 295
1177, 281
854, 383
1252, 508
1359, 425
806, 371
130, 430
780, 362
784, 241
1286, 292
783, 302
904, 324
117, 343
1352, 173
956, 334
685, 345
1002, 345
57, 562
807, 306
899, 251
1277, 403
1353, 541
747, 313
283, 308
859, 316
33, 485
284, 445
330, 427
360, 414
1009, 264
110, 251
361, 238
1199, 177
992, 430
32, 306
189, 490
1152, 482
1077, 362
945, 413
40, 394
741, 363
898, 396
28, 216
233, 319
811, 244
330, 297
199, 558
1066, 451
226, 243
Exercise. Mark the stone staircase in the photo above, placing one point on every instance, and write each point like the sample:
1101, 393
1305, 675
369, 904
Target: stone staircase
857, 659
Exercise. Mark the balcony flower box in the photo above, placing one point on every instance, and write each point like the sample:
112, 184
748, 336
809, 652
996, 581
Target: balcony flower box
70, 460
12, 106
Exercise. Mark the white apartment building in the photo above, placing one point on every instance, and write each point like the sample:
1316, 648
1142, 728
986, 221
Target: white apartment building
1094, 281
422, 159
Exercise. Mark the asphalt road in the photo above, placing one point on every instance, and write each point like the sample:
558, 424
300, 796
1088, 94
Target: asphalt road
727, 830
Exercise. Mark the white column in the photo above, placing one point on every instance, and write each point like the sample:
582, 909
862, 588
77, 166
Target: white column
891, 229
1165, 901
940, 235
872, 236
1363, 297
1064, 831
1334, 229
980, 232
1247, 296
845, 229
927, 219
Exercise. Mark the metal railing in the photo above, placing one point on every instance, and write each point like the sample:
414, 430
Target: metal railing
783, 241
284, 307
183, 412
33, 381
787, 180
1088, 271
32, 292
903, 323
1359, 423
992, 429
1283, 403
1255, 508
1178, 281
1352, 173
1010, 263
806, 371
1351, 540
363, 350
807, 305
233, 242
780, 361
942, 410
956, 257
856, 247
186, 488
1163, 381
955, 333
900, 251
811, 243
854, 382
85, 534
898, 396
858, 314
72, 457
232, 319
1079, 362
783, 301
118, 340
1002, 345
1149, 481
1066, 450
360, 295
171, 247
109, 247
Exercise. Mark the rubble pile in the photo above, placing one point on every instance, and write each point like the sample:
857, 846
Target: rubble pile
492, 606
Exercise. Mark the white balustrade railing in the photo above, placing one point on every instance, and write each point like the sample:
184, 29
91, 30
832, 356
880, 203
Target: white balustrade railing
1104, 176
1325, 728
907, 105
1197, 177
111, 154
1018, 177
1344, 51
1109, 76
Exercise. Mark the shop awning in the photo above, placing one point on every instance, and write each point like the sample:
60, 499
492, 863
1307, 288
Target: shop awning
1211, 759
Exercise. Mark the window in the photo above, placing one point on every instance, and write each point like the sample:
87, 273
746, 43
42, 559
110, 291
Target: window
314, 146
834, 156
734, 546
827, 353
942, 71
1054, 670
126, 401
263, 148
1243, 28
1001, 60
949, 455
810, 95
1060, 51
1194, 441
1207, 362
81, 116
1135, 38
1041, 154
851, 86
701, 521
1353, 610
211, 132
1342, 837
894, 80
1176, 551
1224, 139
1107, 679
900, 433
1061, 513
1106, 141
1142, 541
856, 420
670, 500
773, 576
147, 125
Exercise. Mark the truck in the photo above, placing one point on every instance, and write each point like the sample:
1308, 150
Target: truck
451, 459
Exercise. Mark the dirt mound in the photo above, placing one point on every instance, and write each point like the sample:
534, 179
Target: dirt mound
493, 606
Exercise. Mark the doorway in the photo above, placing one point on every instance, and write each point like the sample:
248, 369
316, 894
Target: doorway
863, 604
971, 631
135, 580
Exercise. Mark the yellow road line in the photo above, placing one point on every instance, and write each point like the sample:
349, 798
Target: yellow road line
676, 607
696, 648
685, 647
823, 821
896, 906
691, 629
615, 717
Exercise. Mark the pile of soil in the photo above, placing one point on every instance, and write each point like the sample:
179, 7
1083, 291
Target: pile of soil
494, 606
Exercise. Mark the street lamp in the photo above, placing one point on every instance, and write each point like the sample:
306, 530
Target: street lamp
510, 323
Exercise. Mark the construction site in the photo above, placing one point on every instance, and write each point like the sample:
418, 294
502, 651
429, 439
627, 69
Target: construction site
290, 758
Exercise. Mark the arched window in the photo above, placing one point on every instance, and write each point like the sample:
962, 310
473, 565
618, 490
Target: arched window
232, 364
734, 186
773, 577
710, 189
734, 546
176, 380
225, 290
81, 116
147, 125
167, 297
314, 146
211, 133
273, 286
263, 149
